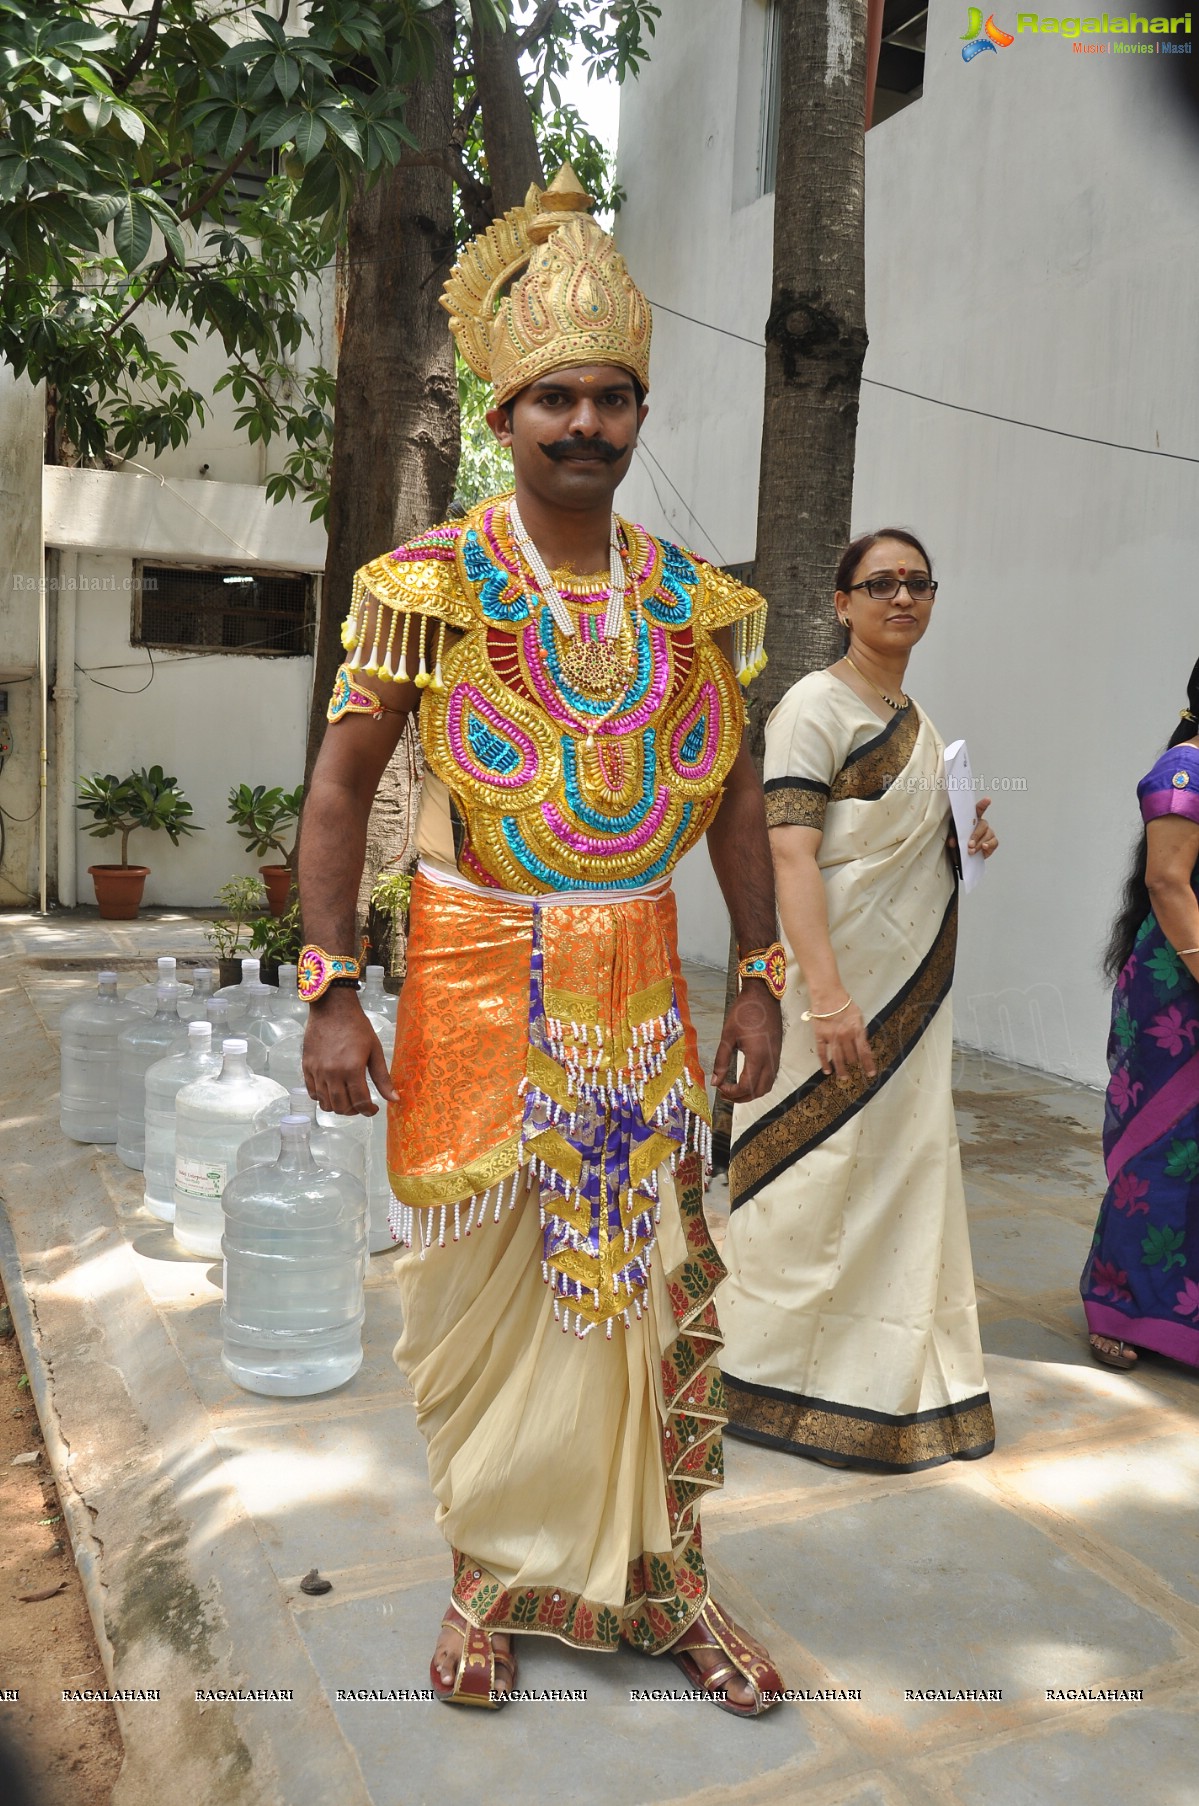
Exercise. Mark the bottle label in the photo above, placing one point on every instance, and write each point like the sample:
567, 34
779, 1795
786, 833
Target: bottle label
200, 1178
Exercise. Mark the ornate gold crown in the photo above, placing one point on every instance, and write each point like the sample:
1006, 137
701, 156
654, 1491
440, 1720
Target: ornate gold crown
574, 304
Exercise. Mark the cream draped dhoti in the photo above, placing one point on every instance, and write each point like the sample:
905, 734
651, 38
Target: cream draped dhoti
568, 1468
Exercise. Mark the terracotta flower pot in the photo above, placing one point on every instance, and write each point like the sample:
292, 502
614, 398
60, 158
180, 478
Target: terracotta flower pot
119, 890
277, 879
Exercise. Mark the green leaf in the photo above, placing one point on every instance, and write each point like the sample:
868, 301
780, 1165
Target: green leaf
287, 75
131, 123
340, 121
319, 191
132, 230
309, 137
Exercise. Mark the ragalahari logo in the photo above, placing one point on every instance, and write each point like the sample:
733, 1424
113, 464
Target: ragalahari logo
991, 38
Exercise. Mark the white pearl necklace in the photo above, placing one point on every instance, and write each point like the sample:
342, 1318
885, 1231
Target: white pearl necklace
613, 621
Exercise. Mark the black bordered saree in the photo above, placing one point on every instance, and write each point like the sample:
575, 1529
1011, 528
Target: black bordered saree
849, 1311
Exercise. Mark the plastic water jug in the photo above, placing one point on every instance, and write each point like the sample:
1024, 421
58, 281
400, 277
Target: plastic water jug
197, 1059
146, 1040
286, 1065
88, 1089
295, 1264
288, 1004
217, 1012
336, 1141
379, 1002
213, 1116
285, 1062
237, 996
203, 986
145, 997
260, 1022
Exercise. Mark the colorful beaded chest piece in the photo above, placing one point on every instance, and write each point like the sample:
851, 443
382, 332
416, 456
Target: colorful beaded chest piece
576, 761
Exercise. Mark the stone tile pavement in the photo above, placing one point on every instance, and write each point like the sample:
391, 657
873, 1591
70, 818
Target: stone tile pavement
1066, 1562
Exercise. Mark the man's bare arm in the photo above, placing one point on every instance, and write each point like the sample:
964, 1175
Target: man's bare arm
340, 1046
739, 848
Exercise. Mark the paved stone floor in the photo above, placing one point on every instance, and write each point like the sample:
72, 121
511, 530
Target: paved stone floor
1068, 1560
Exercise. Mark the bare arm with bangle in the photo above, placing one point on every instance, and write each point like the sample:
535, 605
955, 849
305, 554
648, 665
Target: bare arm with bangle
1172, 843
837, 1022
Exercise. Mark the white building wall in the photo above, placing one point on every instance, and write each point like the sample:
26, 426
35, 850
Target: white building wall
211, 720
1032, 252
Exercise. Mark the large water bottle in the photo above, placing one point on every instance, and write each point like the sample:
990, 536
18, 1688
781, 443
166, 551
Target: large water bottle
378, 1185
145, 997
88, 1089
286, 1065
259, 1021
285, 1062
335, 1141
377, 1001
197, 1059
146, 1040
238, 995
203, 986
287, 1001
295, 1264
213, 1116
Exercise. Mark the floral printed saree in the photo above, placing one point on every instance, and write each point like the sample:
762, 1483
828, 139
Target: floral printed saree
1141, 1280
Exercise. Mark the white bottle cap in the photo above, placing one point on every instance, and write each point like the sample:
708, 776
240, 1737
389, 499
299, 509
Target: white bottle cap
107, 978
167, 965
199, 1031
235, 1047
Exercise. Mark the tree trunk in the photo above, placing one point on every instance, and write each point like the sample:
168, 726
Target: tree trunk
815, 347
815, 341
395, 436
513, 160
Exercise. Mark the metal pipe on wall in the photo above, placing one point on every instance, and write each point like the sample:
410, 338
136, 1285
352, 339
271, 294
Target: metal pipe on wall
65, 694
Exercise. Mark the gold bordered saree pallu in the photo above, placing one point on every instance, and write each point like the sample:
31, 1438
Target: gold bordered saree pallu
849, 1312
548, 1146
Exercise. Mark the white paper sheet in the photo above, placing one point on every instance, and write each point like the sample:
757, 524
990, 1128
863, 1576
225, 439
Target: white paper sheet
959, 782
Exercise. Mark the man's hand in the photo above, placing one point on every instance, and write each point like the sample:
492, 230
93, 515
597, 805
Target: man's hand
340, 1050
754, 1028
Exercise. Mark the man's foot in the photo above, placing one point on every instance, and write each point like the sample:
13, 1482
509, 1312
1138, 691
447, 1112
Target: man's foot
471, 1666
1110, 1353
735, 1671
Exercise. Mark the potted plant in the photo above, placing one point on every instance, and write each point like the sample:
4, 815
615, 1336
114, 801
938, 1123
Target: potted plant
261, 816
243, 899
387, 922
277, 941
144, 799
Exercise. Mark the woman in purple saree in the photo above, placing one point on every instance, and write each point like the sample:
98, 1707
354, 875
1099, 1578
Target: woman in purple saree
1140, 1286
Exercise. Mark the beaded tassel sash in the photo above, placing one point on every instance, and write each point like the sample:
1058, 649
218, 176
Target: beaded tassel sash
607, 1101
586, 1075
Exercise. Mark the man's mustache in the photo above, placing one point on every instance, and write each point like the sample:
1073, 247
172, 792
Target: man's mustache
601, 450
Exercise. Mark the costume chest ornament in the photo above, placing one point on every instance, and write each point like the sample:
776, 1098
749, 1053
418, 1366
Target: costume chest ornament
585, 745
580, 761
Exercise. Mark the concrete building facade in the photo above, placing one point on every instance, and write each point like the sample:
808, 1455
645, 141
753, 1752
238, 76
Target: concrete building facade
1032, 254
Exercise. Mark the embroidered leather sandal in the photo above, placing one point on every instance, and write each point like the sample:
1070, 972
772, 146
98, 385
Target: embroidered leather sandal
744, 1660
484, 1674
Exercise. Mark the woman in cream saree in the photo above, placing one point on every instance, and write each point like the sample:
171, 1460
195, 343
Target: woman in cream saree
849, 1314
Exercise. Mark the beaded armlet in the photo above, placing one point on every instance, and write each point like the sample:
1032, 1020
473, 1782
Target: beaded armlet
728, 603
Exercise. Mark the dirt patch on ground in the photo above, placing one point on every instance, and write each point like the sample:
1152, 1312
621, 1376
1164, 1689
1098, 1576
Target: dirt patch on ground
71, 1753
1012, 1131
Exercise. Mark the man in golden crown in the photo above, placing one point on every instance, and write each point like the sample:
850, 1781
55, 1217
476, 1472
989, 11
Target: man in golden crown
579, 709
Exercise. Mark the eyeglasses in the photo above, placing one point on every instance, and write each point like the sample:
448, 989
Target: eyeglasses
885, 589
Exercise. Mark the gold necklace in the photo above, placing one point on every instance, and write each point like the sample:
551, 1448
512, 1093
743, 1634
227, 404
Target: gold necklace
889, 700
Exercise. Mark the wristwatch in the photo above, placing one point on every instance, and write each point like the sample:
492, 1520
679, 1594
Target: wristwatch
769, 964
318, 970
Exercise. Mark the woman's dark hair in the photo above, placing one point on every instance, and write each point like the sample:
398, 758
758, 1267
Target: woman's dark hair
857, 549
1135, 904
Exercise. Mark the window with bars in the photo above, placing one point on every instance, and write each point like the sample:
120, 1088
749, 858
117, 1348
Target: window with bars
201, 608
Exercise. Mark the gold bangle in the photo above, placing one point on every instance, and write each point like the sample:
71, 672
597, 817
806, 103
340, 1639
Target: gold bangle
825, 1015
